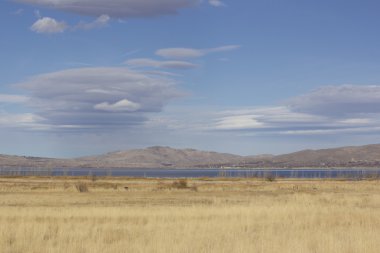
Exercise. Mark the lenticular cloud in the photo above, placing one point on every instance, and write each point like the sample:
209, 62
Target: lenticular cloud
98, 97
117, 8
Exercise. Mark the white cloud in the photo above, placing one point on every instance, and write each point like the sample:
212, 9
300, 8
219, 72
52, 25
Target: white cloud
238, 122
117, 8
121, 106
48, 25
216, 3
145, 62
98, 98
101, 21
178, 53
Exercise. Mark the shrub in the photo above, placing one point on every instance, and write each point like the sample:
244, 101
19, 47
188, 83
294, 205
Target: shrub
180, 184
81, 187
270, 177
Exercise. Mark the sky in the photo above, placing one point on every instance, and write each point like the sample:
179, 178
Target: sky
84, 77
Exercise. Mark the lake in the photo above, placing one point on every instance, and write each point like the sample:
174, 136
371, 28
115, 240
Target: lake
350, 173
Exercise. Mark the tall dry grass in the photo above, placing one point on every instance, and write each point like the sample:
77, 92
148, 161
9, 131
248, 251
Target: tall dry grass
222, 216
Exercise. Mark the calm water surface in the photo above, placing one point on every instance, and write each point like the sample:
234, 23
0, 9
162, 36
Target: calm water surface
194, 173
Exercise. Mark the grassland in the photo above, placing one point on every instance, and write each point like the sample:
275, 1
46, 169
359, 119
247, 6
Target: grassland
149, 215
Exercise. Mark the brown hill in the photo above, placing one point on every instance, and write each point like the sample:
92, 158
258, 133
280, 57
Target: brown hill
368, 155
156, 157
165, 157
33, 162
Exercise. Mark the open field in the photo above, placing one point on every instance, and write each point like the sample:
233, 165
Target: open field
219, 215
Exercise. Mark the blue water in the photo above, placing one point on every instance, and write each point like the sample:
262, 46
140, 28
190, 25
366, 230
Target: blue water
196, 173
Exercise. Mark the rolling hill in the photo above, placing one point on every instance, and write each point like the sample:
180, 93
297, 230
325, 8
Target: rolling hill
166, 157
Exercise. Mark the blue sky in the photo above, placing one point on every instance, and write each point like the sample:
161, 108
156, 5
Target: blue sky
80, 77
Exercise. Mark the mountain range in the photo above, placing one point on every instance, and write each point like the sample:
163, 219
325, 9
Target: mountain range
166, 157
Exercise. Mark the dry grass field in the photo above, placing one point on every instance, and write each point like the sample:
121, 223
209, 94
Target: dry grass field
118, 215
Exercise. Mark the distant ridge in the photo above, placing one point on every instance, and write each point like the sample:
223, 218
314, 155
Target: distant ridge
154, 157
360, 156
166, 157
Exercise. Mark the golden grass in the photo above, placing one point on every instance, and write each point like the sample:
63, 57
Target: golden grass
246, 215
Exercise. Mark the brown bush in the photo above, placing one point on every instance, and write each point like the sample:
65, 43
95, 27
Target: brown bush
180, 184
81, 187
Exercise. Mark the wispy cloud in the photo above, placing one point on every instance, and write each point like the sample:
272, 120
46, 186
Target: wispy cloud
178, 53
37, 14
146, 62
76, 64
132, 52
21, 120
339, 100
7, 98
18, 12
216, 3
100, 22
